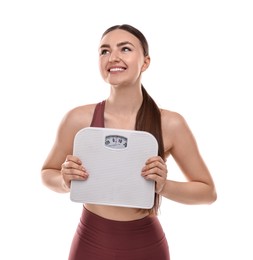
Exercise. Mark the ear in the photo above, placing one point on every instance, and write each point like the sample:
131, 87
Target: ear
146, 63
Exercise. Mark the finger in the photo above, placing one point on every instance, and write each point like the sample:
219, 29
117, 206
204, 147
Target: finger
71, 174
156, 178
154, 158
155, 167
159, 182
71, 168
155, 171
74, 159
72, 165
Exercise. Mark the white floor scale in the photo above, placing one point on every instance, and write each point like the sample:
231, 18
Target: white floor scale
114, 159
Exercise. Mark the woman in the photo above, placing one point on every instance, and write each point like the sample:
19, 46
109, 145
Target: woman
108, 232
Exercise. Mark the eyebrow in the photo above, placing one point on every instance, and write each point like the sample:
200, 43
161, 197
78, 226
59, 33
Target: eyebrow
118, 45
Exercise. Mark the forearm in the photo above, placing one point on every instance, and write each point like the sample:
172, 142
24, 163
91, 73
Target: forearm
53, 180
189, 192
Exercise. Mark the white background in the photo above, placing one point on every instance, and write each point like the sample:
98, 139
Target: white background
202, 67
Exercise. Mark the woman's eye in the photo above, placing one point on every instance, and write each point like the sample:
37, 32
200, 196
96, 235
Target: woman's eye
126, 49
103, 52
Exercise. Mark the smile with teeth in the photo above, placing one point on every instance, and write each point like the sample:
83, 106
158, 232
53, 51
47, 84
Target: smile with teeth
116, 69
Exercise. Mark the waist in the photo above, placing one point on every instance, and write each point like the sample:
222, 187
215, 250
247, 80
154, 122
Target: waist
117, 213
148, 225
124, 235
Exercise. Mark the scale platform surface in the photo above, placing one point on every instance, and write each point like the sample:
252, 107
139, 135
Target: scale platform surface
114, 159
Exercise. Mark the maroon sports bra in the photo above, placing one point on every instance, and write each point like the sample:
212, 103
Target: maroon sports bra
98, 115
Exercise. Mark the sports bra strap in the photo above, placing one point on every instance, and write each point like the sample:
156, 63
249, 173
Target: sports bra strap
98, 115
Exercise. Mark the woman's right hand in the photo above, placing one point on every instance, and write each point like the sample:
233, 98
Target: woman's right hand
72, 169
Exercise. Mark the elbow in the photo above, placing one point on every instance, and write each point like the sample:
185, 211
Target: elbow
43, 178
212, 196
208, 194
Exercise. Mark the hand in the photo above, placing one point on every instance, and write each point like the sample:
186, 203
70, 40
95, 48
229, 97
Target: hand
72, 169
156, 169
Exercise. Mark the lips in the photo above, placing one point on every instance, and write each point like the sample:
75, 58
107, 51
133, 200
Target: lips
116, 69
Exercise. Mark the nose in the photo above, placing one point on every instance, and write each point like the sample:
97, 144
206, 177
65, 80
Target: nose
114, 56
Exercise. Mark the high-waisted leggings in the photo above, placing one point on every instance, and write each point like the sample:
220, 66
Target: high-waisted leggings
97, 238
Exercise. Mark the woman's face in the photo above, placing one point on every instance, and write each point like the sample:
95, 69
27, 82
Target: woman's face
121, 58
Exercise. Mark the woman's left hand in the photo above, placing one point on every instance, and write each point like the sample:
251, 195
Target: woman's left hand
156, 170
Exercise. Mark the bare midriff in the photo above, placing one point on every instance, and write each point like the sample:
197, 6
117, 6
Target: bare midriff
117, 213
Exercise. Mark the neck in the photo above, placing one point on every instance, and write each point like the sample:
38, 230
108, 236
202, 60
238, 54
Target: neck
124, 101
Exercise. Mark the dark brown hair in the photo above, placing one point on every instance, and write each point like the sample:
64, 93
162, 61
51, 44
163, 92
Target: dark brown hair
149, 115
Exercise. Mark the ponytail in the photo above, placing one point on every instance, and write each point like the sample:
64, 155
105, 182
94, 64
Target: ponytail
149, 119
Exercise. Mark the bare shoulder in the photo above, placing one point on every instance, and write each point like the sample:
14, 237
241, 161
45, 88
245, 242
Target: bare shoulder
174, 128
172, 120
73, 121
80, 116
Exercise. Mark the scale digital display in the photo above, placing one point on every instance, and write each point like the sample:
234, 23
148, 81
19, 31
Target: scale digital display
116, 141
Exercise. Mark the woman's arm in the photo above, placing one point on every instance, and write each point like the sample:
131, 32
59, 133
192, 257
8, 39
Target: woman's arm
60, 166
179, 141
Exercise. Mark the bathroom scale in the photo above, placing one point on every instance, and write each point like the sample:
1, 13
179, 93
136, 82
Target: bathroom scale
114, 159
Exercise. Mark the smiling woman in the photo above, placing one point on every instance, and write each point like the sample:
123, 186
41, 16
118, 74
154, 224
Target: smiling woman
110, 232
121, 55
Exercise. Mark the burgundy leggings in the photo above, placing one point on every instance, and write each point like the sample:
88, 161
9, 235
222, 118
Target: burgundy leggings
97, 238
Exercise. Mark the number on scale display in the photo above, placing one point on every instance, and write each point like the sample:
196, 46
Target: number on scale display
116, 141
